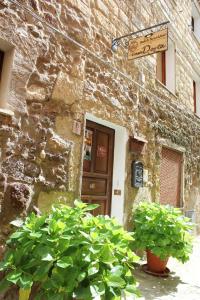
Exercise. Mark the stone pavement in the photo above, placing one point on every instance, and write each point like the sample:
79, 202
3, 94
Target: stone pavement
182, 284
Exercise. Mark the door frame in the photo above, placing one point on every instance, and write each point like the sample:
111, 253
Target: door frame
119, 170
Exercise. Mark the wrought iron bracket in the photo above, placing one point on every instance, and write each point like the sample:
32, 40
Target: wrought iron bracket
124, 39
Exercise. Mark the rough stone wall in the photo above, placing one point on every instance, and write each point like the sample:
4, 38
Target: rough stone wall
55, 81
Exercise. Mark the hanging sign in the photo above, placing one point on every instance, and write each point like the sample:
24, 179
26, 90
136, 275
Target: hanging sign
149, 44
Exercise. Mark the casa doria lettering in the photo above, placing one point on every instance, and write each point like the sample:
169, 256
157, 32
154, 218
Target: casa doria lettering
147, 49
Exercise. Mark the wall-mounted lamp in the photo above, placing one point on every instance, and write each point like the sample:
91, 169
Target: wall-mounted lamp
114, 45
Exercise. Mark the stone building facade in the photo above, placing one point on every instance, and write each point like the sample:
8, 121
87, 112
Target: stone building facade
61, 72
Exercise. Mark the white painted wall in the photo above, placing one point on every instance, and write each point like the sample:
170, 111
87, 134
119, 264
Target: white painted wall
197, 28
119, 173
171, 67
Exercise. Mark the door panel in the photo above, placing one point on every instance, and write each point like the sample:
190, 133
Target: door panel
102, 157
94, 186
97, 166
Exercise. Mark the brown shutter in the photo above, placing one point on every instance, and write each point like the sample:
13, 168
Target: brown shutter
164, 67
170, 177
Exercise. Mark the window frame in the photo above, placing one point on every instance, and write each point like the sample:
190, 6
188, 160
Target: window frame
166, 75
161, 67
192, 23
1, 62
195, 21
163, 59
7, 51
195, 96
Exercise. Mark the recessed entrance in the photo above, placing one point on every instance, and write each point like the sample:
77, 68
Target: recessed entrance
98, 166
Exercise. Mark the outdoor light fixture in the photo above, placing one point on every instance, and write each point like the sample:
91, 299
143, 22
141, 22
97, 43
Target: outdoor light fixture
114, 46
124, 40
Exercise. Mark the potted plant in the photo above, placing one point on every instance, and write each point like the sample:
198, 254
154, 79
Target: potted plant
162, 231
69, 254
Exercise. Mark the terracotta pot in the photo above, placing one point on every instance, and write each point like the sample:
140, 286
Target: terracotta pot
154, 263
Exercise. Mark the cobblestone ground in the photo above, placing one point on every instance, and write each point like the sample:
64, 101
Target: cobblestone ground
182, 284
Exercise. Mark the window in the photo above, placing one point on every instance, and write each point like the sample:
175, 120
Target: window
6, 63
195, 21
192, 24
196, 95
161, 67
1, 62
165, 68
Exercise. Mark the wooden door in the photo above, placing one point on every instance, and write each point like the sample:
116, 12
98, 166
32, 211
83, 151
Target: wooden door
97, 167
170, 177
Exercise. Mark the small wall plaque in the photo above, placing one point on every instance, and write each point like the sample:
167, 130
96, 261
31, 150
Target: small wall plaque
117, 192
76, 128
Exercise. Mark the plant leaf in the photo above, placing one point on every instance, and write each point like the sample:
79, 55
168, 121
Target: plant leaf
14, 276
93, 269
115, 281
65, 262
17, 223
47, 257
91, 207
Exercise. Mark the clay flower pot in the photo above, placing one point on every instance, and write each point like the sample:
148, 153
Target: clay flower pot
155, 264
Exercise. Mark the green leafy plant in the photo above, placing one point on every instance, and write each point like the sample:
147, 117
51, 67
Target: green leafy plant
163, 230
70, 253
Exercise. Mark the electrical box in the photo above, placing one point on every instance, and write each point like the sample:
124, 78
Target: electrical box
137, 174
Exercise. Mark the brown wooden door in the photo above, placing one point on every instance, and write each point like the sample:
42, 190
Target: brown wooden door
97, 166
170, 177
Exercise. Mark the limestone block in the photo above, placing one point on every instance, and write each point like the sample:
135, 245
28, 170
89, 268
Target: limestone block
57, 144
143, 194
82, 5
2, 180
36, 93
113, 7
115, 102
34, 4
20, 169
31, 169
78, 65
104, 22
124, 18
102, 7
67, 89
16, 201
46, 200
